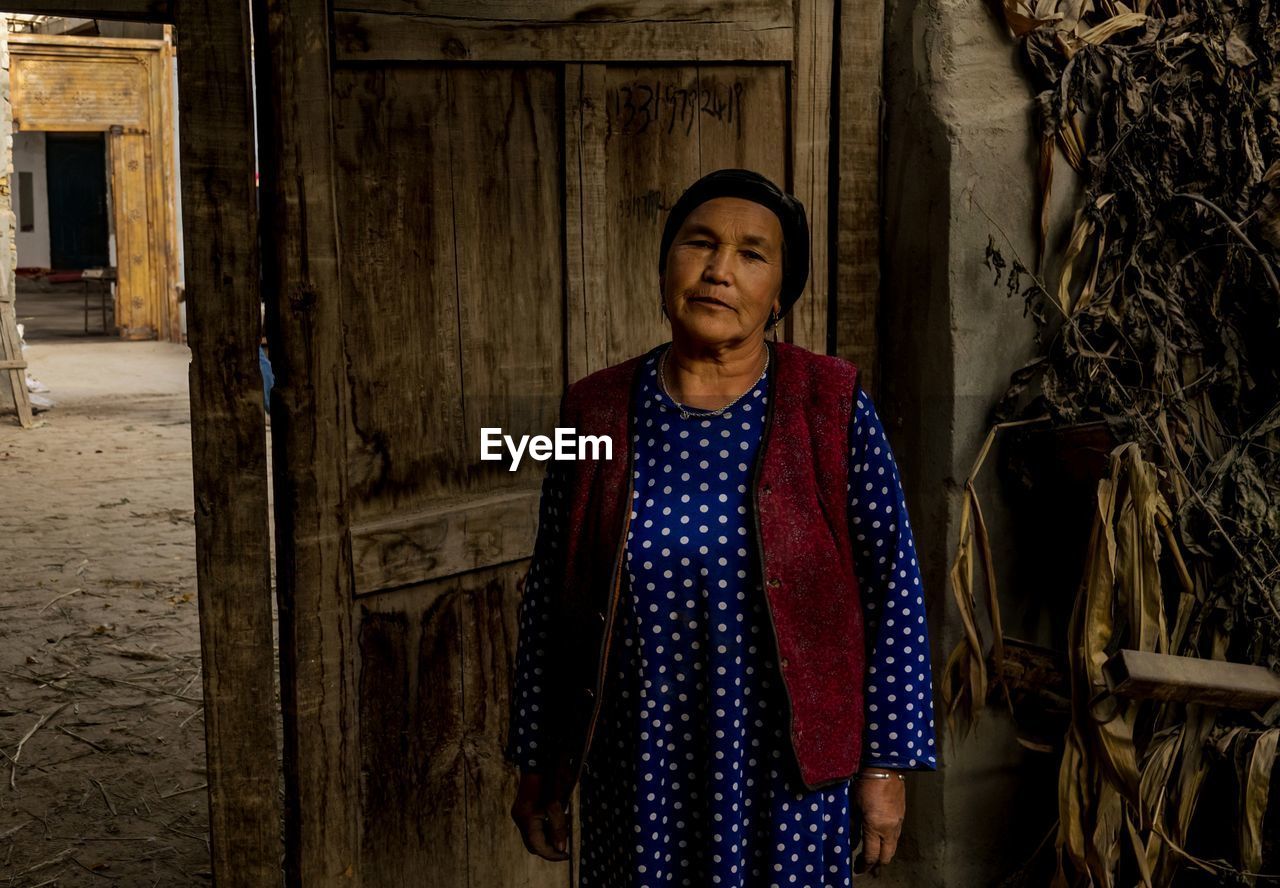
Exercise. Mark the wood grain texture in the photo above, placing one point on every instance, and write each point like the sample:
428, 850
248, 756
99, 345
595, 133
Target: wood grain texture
508, 223
757, 13
586, 199
136, 309
90, 91
650, 157
806, 323
414, 794
129, 10
495, 852
407, 439
443, 541
663, 128
564, 31
453, 284
228, 440
318, 650
857, 237
1145, 675
165, 194
746, 133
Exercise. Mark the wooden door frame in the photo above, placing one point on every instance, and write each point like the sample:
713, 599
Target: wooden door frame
141, 176
227, 427
228, 438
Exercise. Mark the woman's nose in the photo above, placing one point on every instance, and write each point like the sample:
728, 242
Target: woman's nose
717, 268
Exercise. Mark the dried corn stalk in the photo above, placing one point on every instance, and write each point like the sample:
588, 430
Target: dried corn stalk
1165, 322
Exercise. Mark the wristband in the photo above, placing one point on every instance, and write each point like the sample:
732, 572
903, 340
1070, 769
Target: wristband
884, 776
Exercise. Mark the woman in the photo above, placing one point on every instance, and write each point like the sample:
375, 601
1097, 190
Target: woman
754, 665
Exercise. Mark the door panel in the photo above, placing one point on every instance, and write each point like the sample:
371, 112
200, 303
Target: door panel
137, 304
499, 175
663, 128
413, 796
399, 287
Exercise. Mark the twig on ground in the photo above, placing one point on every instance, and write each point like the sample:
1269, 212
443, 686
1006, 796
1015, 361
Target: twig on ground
89, 869
57, 598
169, 795
60, 857
138, 655
73, 734
106, 798
13, 770
14, 829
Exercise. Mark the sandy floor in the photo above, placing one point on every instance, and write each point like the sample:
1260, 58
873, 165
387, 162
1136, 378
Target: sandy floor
101, 731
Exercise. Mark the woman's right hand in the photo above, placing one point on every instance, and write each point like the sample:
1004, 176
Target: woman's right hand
543, 826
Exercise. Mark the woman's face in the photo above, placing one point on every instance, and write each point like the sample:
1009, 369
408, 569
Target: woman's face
724, 271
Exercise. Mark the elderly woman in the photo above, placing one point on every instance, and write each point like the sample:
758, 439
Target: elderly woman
722, 634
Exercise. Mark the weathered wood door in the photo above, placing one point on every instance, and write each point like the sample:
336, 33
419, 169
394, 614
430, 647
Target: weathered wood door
467, 200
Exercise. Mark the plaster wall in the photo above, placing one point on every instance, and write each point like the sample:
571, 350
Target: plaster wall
29, 157
959, 165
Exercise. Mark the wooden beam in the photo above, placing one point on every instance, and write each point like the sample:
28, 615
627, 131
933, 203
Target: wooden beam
1144, 675
126, 10
856, 131
310, 402
363, 37
444, 541
806, 324
228, 439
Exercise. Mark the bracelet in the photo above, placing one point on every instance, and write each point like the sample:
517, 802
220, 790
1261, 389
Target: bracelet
885, 776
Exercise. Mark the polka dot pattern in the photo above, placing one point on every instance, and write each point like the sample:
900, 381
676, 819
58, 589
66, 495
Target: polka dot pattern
691, 779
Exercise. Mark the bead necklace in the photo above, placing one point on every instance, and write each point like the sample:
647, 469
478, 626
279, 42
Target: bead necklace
684, 411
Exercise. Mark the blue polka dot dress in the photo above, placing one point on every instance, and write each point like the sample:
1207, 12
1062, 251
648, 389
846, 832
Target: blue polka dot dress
690, 779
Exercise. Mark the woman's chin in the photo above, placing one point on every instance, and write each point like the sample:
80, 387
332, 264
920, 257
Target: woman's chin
713, 326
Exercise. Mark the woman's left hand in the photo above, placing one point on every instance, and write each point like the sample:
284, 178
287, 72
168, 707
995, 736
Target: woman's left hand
883, 804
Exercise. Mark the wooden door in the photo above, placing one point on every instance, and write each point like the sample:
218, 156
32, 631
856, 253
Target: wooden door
467, 201
139, 245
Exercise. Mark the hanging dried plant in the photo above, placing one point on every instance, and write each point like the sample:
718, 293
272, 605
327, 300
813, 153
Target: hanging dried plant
1164, 324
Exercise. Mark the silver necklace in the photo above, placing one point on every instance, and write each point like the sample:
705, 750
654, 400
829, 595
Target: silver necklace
684, 411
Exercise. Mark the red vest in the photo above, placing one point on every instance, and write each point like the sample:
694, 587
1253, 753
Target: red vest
800, 522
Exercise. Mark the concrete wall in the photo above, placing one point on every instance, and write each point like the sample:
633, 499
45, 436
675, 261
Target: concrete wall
29, 157
959, 146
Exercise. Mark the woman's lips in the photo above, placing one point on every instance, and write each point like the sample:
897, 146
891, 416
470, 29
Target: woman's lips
707, 300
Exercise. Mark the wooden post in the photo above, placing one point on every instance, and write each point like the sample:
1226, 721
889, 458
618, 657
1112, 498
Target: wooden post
856, 124
228, 437
309, 424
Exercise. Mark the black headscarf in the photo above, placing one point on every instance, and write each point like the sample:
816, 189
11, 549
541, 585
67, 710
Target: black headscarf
751, 186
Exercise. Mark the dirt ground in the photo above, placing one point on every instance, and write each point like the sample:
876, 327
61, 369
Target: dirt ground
102, 778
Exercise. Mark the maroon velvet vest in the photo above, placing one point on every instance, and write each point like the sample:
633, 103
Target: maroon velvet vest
799, 517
